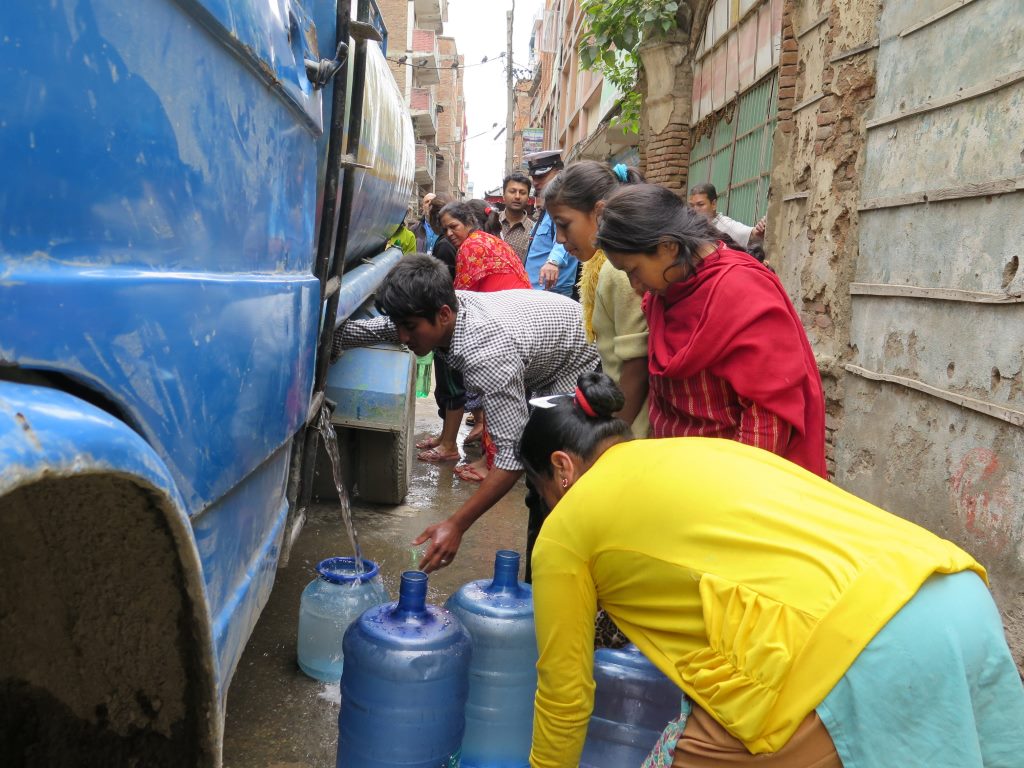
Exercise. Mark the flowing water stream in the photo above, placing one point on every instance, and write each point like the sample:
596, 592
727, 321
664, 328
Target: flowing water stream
330, 439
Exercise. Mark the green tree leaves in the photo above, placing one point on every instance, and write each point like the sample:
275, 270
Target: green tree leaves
612, 32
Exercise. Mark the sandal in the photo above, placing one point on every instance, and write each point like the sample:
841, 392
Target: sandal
474, 436
471, 420
436, 456
468, 472
429, 442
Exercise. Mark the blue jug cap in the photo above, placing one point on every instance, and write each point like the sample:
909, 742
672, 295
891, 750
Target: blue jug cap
342, 570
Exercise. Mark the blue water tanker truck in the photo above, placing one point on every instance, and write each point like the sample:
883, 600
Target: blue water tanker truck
193, 193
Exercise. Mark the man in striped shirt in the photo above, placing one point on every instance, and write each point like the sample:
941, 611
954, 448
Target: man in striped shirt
506, 344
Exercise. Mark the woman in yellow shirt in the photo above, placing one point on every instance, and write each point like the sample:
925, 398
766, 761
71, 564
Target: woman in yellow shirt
805, 625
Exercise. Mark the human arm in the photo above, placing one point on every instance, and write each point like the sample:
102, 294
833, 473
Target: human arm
634, 381
363, 333
618, 305
505, 408
446, 536
565, 602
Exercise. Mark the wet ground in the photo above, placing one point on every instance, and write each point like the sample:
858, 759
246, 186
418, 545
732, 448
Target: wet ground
276, 716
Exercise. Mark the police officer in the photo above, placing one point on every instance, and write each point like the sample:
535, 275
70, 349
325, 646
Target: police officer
548, 265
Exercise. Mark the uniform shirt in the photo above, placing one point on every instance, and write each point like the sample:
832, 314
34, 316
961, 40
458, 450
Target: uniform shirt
505, 344
517, 235
750, 582
544, 249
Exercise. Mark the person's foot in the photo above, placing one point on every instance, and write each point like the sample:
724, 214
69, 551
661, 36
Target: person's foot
438, 455
429, 442
474, 436
470, 420
472, 472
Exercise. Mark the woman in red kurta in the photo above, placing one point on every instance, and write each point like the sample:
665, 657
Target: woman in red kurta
483, 263
727, 353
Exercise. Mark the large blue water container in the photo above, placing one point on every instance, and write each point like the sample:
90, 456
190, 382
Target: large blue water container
498, 613
633, 703
328, 605
404, 686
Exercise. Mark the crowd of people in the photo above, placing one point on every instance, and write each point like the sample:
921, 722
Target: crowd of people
632, 354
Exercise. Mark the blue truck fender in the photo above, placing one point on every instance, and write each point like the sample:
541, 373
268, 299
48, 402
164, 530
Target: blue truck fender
48, 436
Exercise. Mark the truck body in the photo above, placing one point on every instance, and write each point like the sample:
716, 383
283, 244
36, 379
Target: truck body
165, 171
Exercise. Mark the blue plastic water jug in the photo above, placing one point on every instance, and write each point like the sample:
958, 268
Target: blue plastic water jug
498, 613
328, 605
632, 704
403, 690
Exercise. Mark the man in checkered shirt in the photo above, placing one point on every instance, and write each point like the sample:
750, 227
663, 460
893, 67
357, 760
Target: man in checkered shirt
505, 344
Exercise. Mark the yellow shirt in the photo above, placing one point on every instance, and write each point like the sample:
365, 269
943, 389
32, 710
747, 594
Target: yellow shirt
750, 582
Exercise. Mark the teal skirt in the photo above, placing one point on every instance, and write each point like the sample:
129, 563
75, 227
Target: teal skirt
936, 687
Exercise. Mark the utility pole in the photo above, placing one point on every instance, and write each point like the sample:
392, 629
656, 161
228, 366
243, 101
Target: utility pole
511, 115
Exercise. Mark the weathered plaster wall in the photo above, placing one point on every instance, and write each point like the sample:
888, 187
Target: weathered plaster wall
895, 223
825, 89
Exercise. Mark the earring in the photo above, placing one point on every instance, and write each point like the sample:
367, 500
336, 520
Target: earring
565, 482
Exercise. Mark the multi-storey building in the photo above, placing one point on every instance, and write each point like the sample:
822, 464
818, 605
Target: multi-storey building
421, 61
573, 106
450, 179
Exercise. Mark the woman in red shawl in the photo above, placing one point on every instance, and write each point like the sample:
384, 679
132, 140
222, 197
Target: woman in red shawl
727, 353
483, 263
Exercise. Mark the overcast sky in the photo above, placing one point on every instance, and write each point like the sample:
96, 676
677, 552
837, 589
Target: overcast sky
479, 29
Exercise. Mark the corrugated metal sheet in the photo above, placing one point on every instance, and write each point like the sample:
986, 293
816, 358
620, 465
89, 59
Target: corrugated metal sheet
736, 154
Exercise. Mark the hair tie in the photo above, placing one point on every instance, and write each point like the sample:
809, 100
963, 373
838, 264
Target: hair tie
621, 172
488, 211
581, 401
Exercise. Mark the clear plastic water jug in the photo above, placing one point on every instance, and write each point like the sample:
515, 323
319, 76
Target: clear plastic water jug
632, 704
329, 604
403, 690
498, 613
423, 374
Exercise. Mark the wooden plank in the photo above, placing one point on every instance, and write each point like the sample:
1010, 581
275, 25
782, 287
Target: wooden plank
868, 46
796, 196
808, 101
814, 24
942, 294
981, 189
964, 94
1001, 412
935, 17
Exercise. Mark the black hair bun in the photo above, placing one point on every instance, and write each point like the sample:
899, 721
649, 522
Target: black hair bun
602, 394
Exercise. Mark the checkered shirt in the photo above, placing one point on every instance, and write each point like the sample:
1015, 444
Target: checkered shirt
505, 344
517, 235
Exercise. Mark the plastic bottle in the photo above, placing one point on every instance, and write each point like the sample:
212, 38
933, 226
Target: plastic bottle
632, 704
498, 613
423, 366
328, 605
403, 690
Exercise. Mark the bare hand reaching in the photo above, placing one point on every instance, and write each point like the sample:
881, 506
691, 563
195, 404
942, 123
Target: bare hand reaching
444, 538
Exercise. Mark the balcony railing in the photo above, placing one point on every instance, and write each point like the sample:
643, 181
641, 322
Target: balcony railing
424, 112
430, 14
425, 58
426, 165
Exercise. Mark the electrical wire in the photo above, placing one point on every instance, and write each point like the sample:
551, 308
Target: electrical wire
405, 60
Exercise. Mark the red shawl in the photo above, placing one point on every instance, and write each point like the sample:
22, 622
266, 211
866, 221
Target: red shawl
487, 263
734, 319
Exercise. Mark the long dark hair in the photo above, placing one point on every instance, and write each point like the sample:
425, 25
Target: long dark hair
583, 184
637, 218
567, 426
475, 214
